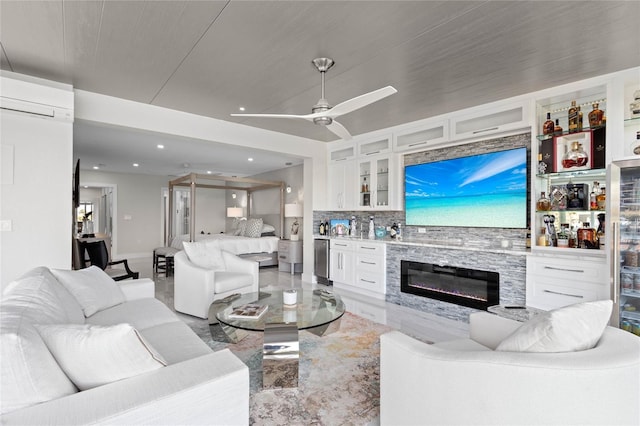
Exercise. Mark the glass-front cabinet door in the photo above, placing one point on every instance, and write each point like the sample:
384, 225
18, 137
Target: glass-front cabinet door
375, 183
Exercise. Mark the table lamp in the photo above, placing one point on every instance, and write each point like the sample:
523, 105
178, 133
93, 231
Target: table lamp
295, 211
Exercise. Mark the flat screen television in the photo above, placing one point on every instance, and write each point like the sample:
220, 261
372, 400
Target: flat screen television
483, 190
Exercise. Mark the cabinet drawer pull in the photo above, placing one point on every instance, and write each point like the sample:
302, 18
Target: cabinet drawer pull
368, 248
485, 130
368, 263
341, 245
578, 296
417, 143
374, 152
564, 269
367, 281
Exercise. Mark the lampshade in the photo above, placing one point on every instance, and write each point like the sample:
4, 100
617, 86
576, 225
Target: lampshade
293, 210
234, 211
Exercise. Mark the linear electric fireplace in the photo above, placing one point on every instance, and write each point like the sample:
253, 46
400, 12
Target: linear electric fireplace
466, 287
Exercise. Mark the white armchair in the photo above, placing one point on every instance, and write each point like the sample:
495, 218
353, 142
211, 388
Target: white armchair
467, 382
195, 287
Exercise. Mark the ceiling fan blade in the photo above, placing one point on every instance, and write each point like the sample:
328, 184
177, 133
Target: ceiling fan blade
339, 130
303, 117
360, 101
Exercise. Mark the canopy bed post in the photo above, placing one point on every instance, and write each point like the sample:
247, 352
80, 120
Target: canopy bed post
169, 235
192, 208
281, 210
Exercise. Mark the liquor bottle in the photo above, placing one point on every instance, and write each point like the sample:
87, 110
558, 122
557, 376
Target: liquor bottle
601, 199
600, 230
547, 127
557, 130
563, 236
399, 234
543, 204
573, 117
364, 185
576, 157
593, 203
321, 232
372, 226
596, 116
579, 119
587, 237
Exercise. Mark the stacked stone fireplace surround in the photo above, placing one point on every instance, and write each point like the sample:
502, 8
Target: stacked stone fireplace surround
472, 248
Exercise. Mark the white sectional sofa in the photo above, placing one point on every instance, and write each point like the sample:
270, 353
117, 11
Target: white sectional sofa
468, 381
186, 383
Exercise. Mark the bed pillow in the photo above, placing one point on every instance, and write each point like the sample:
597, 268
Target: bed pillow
572, 328
93, 355
204, 255
266, 228
92, 287
254, 228
242, 225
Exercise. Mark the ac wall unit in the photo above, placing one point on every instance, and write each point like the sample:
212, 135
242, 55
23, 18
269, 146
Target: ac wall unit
36, 97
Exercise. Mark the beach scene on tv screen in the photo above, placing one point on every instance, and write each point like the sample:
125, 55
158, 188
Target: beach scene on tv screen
484, 190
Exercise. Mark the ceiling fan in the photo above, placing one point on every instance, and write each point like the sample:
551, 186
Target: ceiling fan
323, 113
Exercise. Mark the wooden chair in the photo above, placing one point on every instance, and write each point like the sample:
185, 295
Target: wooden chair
99, 256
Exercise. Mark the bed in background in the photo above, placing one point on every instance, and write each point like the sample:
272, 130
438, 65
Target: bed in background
250, 238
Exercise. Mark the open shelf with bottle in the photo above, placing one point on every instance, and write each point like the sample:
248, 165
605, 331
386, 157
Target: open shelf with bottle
569, 210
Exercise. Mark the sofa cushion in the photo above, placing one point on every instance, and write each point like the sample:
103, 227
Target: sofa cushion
254, 228
140, 313
572, 328
29, 373
204, 254
227, 281
92, 355
91, 287
175, 341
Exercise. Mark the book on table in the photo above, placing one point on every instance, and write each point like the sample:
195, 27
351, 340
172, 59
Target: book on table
248, 311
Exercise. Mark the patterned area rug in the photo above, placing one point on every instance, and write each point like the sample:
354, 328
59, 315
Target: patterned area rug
339, 377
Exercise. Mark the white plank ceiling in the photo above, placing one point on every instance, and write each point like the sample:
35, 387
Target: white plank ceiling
211, 57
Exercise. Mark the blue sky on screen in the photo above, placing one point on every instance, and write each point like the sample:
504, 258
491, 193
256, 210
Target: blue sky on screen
493, 173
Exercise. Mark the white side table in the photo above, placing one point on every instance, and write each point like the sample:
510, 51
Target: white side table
519, 314
289, 255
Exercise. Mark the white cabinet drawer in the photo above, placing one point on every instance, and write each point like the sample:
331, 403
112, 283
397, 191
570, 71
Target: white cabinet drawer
365, 310
547, 295
342, 245
478, 122
370, 281
568, 270
423, 136
372, 264
375, 249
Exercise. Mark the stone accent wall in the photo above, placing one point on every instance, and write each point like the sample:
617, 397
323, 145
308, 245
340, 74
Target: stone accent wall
512, 270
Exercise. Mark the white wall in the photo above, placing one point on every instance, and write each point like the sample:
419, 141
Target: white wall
137, 220
36, 200
210, 210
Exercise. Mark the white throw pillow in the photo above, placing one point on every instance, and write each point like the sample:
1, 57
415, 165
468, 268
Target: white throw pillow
92, 287
92, 355
572, 328
204, 255
240, 230
254, 228
267, 228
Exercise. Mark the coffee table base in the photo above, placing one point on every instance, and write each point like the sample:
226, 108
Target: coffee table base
280, 356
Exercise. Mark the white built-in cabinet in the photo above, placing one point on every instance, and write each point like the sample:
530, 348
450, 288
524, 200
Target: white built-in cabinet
377, 183
359, 266
489, 120
421, 137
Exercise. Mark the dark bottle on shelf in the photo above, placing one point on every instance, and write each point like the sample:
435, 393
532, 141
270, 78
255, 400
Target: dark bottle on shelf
596, 116
573, 117
587, 237
557, 130
548, 126
579, 119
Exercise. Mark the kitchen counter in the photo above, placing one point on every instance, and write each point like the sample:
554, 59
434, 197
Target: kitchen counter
453, 244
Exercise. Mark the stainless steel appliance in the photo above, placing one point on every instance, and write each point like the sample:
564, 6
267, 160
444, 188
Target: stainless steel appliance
321, 260
623, 214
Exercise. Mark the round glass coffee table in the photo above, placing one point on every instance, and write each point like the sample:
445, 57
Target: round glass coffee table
316, 311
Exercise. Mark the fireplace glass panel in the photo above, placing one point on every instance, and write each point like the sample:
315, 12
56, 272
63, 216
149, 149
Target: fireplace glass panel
466, 287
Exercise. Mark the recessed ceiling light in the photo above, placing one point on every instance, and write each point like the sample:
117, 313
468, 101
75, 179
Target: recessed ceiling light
135, 164
241, 108
208, 172
250, 159
160, 146
96, 167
